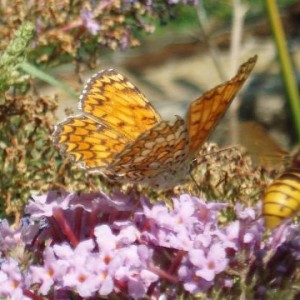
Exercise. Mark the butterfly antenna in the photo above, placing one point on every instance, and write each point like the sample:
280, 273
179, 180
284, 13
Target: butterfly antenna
198, 160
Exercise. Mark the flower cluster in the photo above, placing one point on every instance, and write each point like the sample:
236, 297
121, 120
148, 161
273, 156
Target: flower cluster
67, 28
94, 245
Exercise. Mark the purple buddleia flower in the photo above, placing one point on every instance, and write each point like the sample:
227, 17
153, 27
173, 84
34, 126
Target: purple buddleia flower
134, 271
50, 272
66, 213
204, 261
209, 262
180, 227
84, 267
132, 261
101, 202
79, 270
9, 237
43, 206
11, 281
95, 245
192, 283
247, 213
88, 21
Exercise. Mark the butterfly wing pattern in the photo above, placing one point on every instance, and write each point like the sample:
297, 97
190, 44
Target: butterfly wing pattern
206, 111
114, 113
156, 157
111, 99
120, 134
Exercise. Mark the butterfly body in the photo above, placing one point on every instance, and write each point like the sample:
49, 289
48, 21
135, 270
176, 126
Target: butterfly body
161, 162
121, 135
160, 177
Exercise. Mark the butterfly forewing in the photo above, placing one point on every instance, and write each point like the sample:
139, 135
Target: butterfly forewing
205, 112
110, 97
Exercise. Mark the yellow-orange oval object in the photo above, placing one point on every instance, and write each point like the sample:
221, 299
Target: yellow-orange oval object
282, 198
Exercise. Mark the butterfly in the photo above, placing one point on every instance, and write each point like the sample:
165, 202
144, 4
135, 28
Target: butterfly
121, 135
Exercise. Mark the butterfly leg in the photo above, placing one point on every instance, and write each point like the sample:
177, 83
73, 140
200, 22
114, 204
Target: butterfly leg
194, 180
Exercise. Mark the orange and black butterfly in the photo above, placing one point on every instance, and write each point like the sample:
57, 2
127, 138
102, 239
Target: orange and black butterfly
120, 134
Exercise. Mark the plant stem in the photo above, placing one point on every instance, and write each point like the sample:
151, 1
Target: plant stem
285, 62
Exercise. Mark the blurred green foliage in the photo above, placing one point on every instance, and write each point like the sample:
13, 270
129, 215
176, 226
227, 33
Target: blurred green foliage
185, 18
13, 56
223, 9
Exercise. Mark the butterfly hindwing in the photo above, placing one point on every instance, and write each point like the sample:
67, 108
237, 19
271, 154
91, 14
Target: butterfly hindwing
89, 142
157, 150
205, 112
